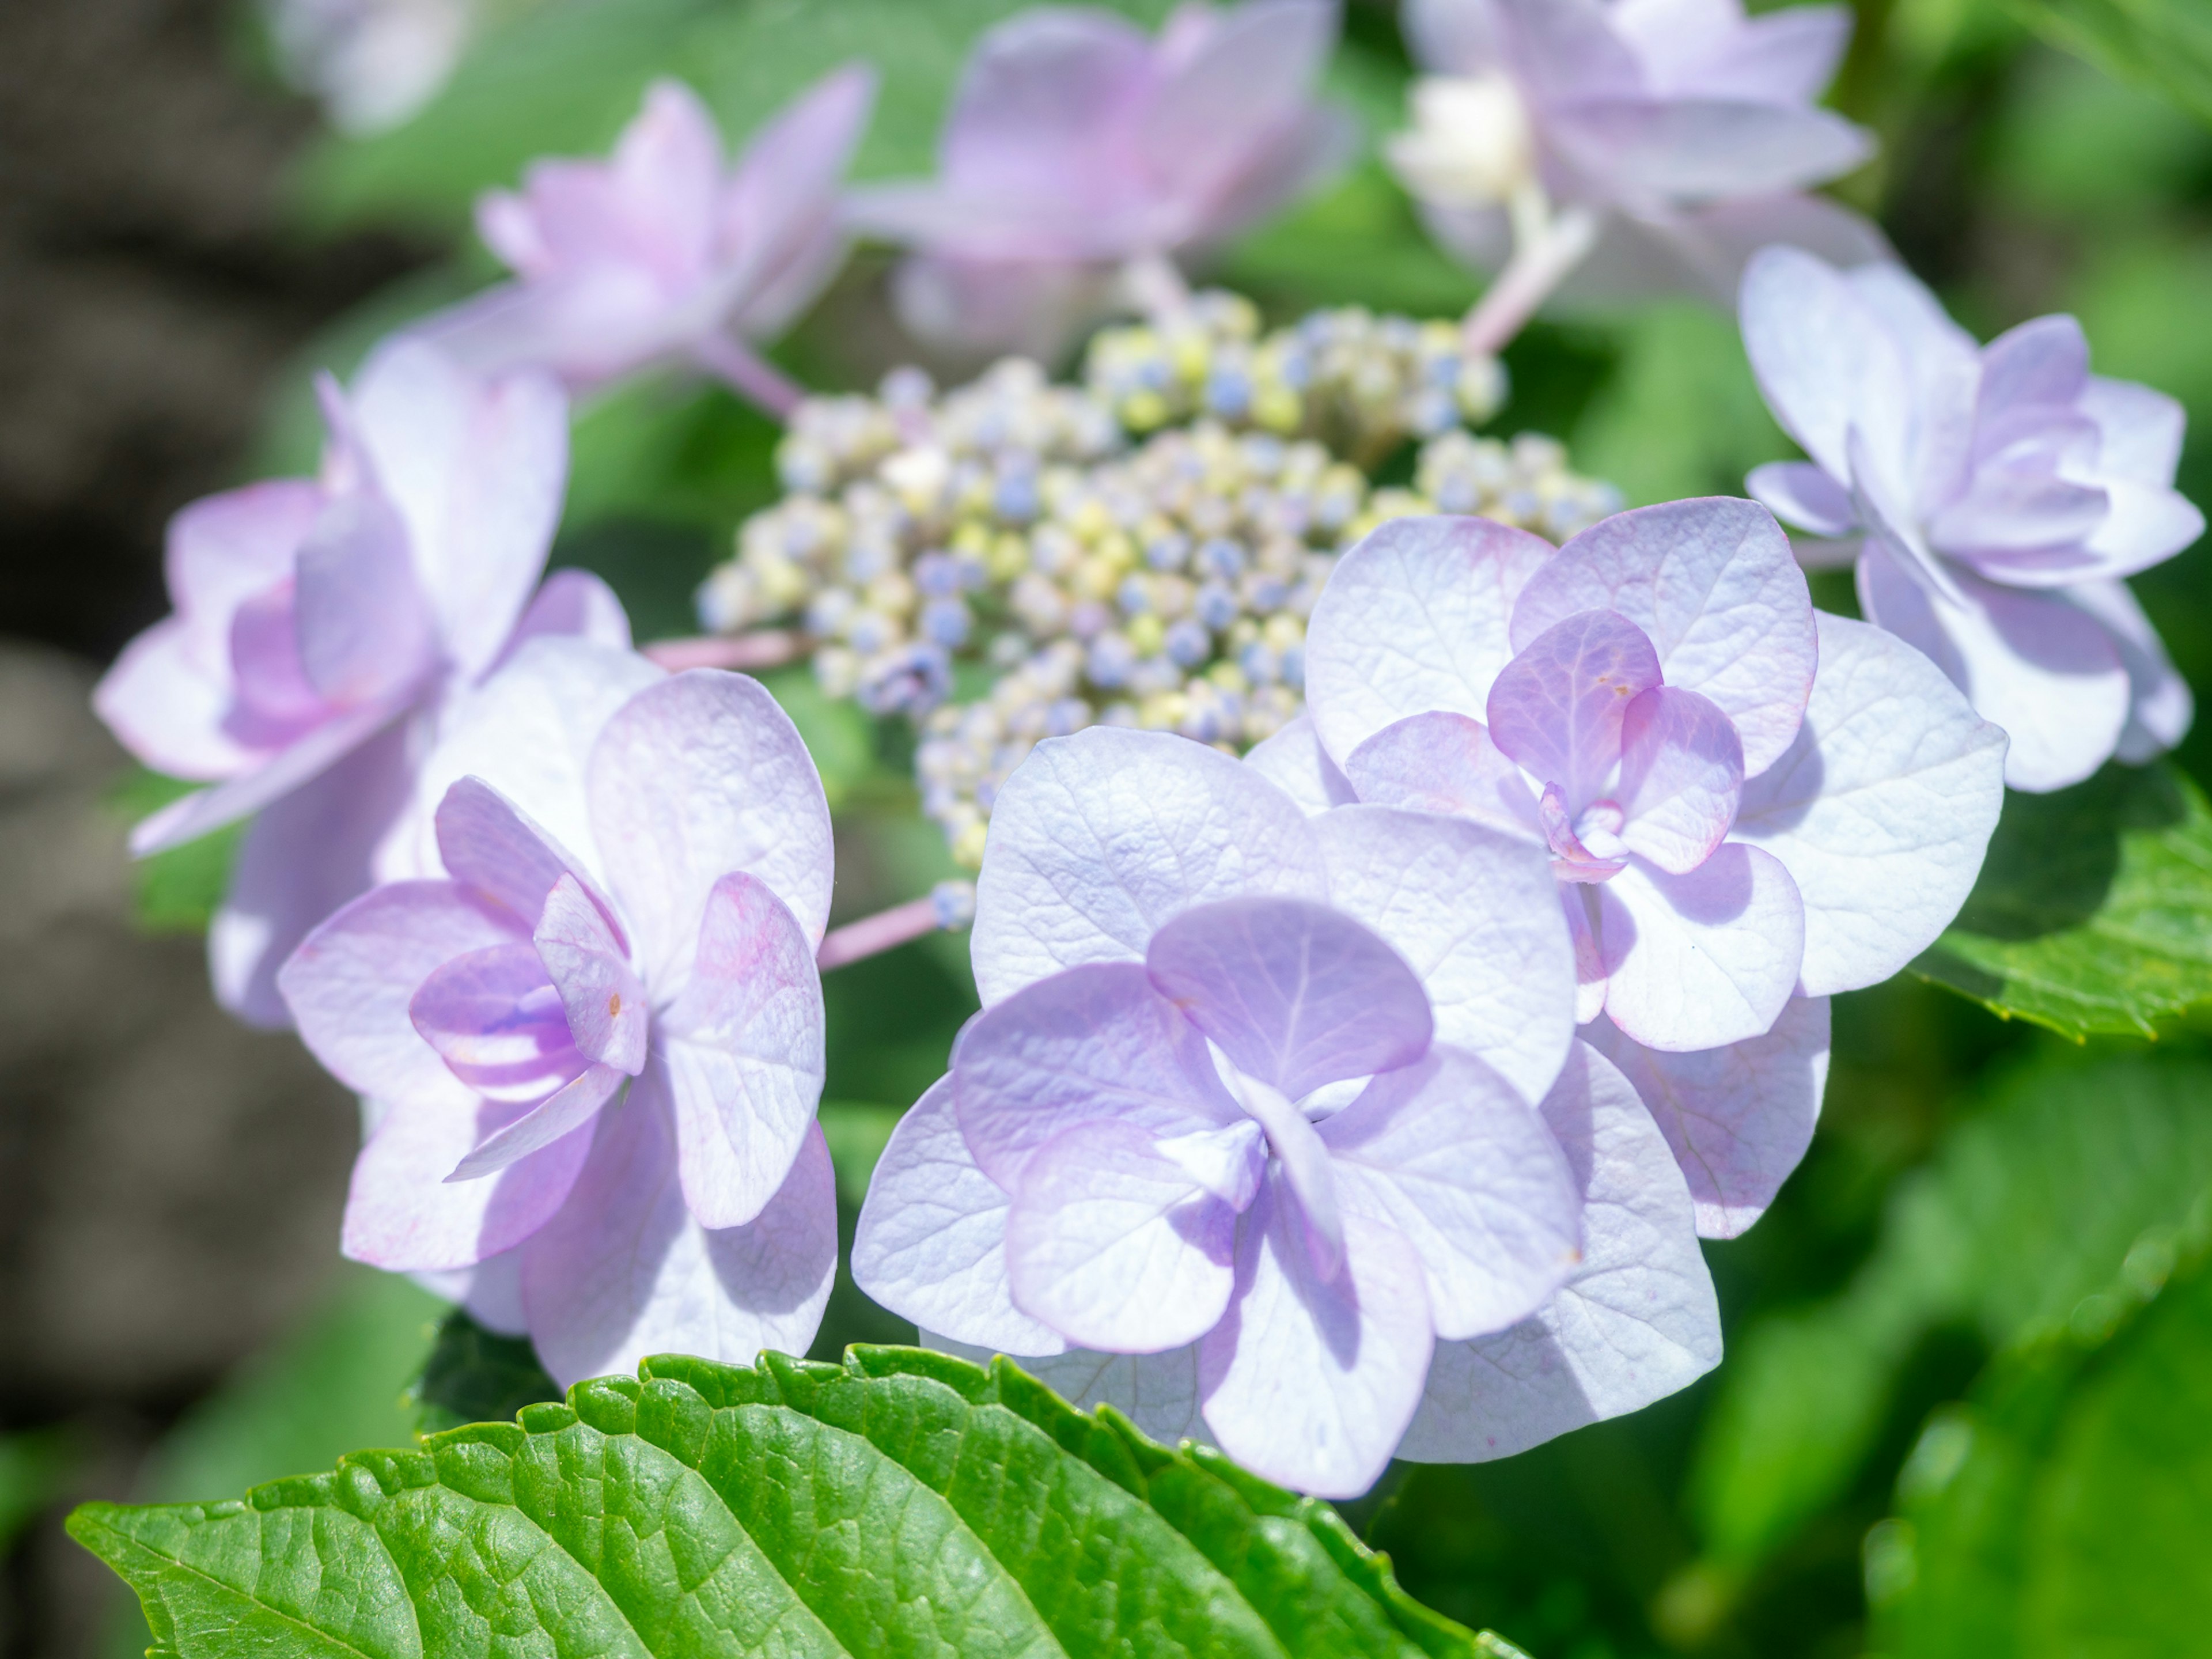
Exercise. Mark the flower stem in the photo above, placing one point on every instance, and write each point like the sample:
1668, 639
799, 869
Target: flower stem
751, 376
949, 907
1546, 249
763, 647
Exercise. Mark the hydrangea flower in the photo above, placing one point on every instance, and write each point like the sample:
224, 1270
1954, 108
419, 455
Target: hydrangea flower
1678, 135
324, 627
1081, 152
373, 63
1998, 496
1728, 827
662, 253
1144, 896
592, 1049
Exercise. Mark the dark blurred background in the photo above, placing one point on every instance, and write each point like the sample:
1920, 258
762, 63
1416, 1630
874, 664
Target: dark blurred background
176, 1321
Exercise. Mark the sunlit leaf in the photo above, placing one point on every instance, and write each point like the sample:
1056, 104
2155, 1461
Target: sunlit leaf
902, 1502
2094, 913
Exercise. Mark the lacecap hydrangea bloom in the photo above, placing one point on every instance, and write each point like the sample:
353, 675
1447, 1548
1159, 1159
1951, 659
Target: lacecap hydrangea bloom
1081, 154
1274, 1131
1681, 134
325, 628
1743, 800
591, 1050
662, 254
1998, 497
373, 63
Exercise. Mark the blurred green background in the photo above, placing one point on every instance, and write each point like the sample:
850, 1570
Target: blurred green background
1966, 1408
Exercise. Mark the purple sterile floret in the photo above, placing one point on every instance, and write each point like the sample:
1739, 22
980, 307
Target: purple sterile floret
591, 1048
325, 629
1999, 496
663, 252
1077, 144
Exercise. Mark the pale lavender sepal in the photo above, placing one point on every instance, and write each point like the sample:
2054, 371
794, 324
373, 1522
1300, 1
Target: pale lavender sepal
1556, 709
608, 1011
567, 1109
488, 842
1699, 960
494, 1018
1293, 760
1445, 762
1681, 777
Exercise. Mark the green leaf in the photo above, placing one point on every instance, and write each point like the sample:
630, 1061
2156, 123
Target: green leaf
904, 1502
34, 1465
2164, 45
474, 1375
2031, 1204
176, 891
2066, 1509
2094, 911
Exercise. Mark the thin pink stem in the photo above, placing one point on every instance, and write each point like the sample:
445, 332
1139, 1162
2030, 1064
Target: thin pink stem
764, 647
750, 375
1538, 266
949, 906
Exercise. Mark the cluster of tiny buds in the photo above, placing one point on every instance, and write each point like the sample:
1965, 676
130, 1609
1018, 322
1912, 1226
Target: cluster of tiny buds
1094, 562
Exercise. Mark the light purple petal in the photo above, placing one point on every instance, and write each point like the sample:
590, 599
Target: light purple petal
402, 1214
604, 999
742, 1048
778, 210
1414, 618
1306, 1181
2140, 430
2042, 361
527, 732
1823, 359
1739, 1118
1445, 763
1111, 1243
168, 711
1708, 247
306, 855
348, 985
486, 841
1799, 493
1446, 1154
1682, 775
2028, 509
1297, 995
495, 1020
1454, 37
1158, 1392
561, 1113
1880, 810
2144, 525
694, 778
1094, 1042
1033, 306
1557, 708
1713, 583
197, 814
1697, 961
1638, 1321
365, 631
2045, 672
2160, 707
477, 469
571, 603
1036, 97
1310, 1384
1709, 47
1693, 149
1295, 763
1098, 839
932, 1240
624, 1271
1477, 915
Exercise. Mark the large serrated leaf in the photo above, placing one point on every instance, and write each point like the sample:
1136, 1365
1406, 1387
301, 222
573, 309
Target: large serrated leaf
2094, 912
902, 1503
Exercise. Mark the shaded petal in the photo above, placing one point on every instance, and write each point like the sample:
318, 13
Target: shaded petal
1094, 1042
364, 631
1477, 915
1693, 149
2045, 359
171, 711
1310, 1384
486, 841
1708, 247
1682, 775
402, 1214
623, 1271
2160, 707
1823, 359
1448, 1155
1452, 36
477, 469
571, 603
350, 984
1799, 494
605, 1000
1158, 1392
1296, 993
932, 1240
743, 1054
2143, 524
1445, 763
1699, 960
495, 1020
207, 810
1556, 707
1739, 1118
2031, 662
1414, 618
778, 210
695, 778
1098, 839
1038, 95
1713, 583
1880, 810
1638, 1321
562, 1112
1295, 763
1035, 306
1110, 1243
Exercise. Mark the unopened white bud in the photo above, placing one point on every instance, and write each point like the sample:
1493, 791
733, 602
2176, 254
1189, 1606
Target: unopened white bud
1471, 145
